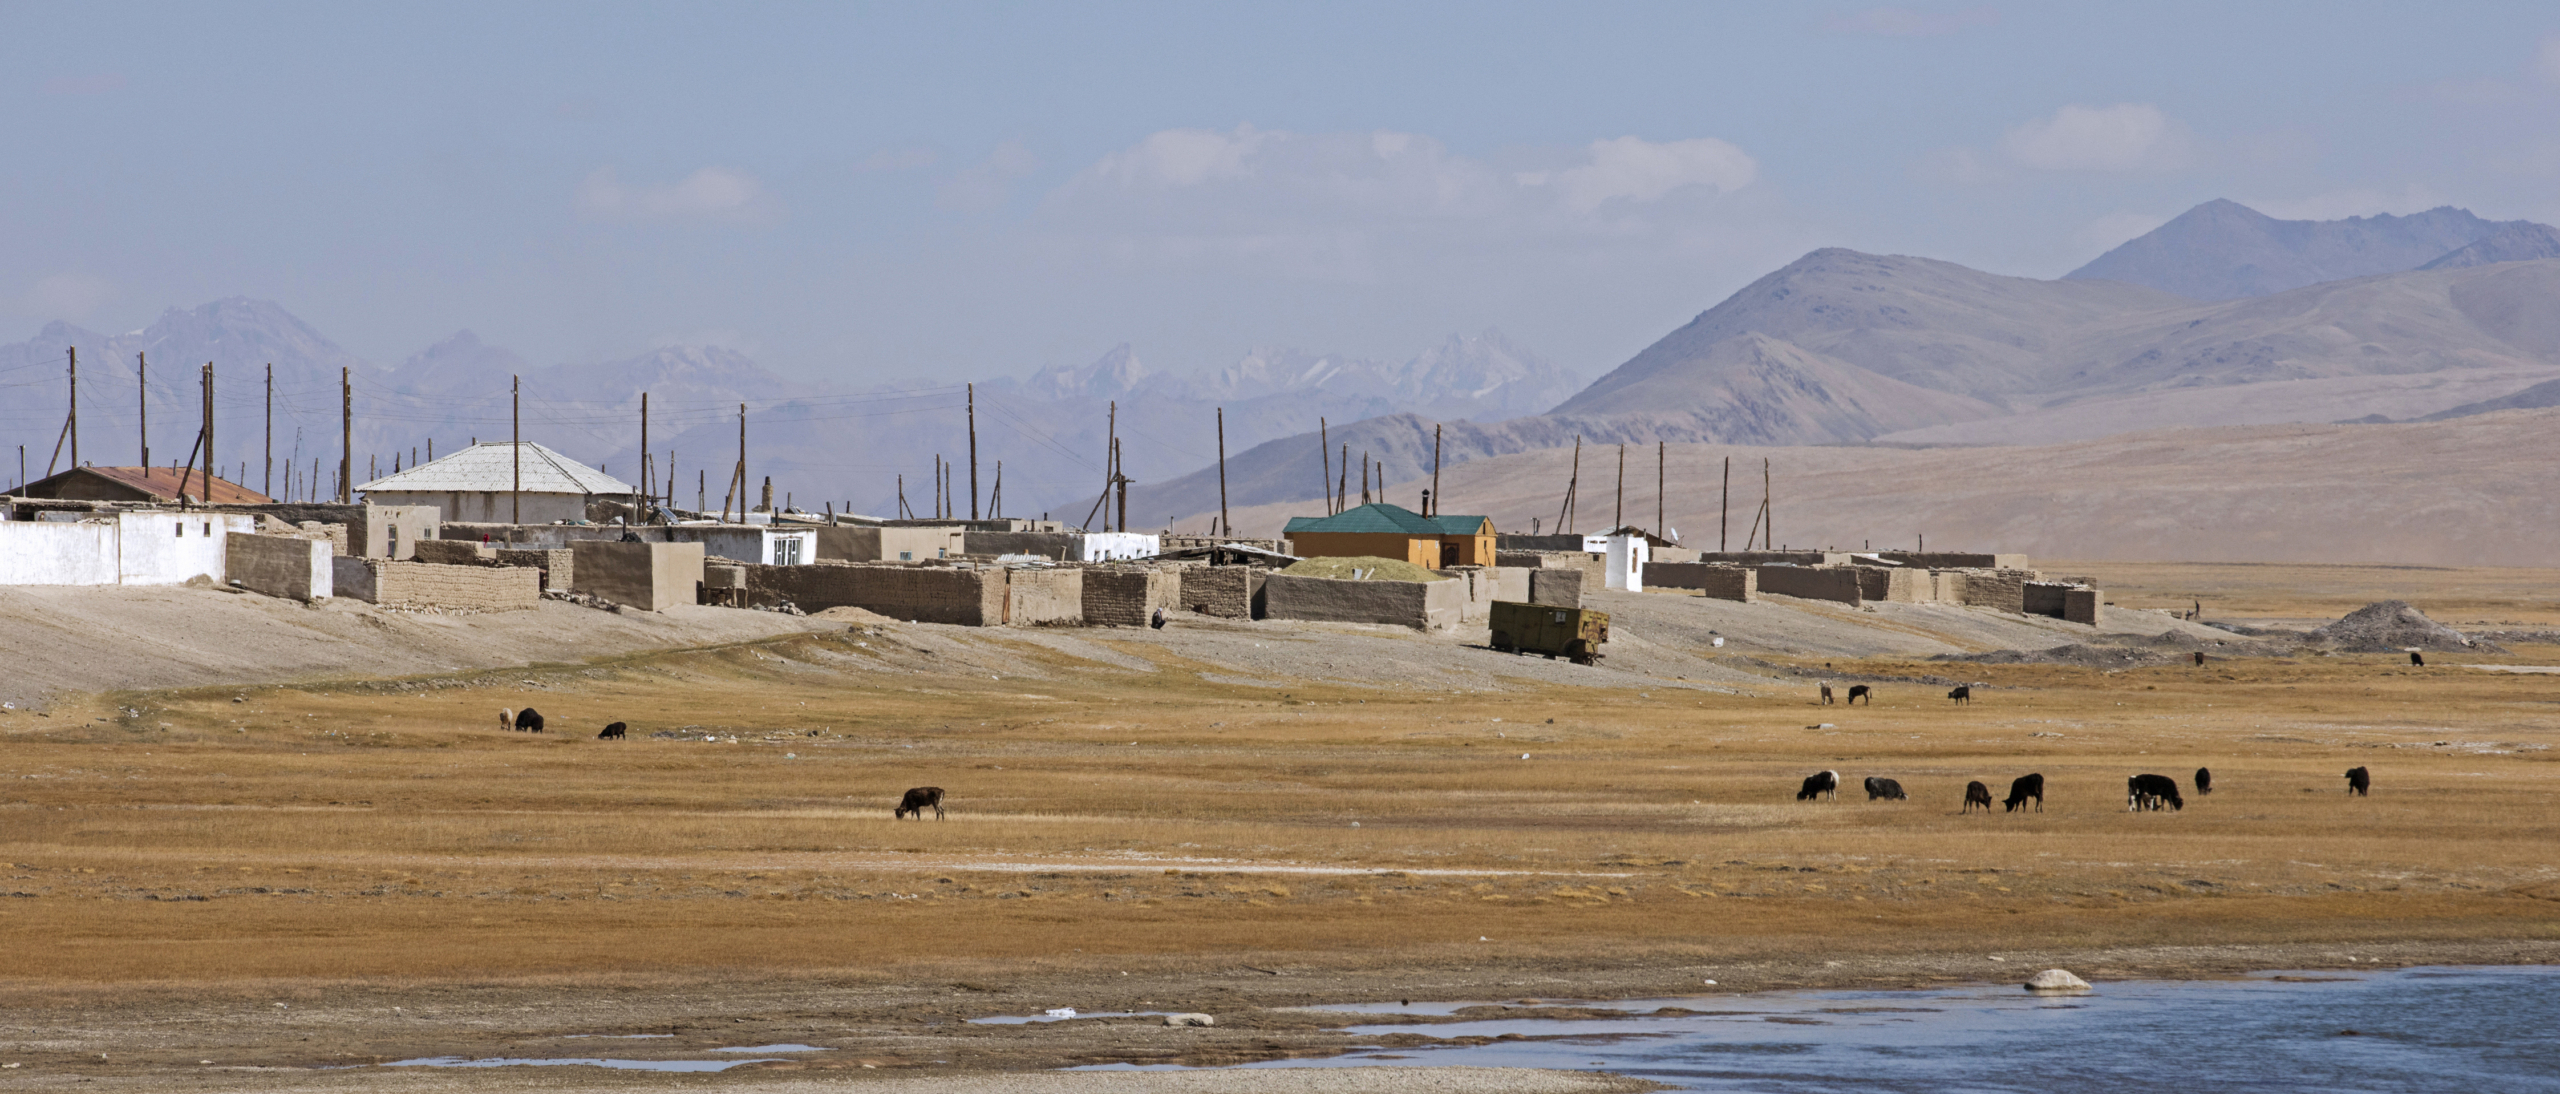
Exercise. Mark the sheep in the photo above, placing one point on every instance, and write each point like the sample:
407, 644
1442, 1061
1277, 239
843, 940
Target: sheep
506, 719
917, 801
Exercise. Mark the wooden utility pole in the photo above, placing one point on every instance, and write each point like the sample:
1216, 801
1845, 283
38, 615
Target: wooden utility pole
1724, 509
208, 431
647, 483
267, 476
515, 447
1769, 517
346, 436
1342, 482
1224, 528
1572, 482
995, 498
742, 466
75, 408
1124, 486
142, 405
1618, 519
1435, 472
973, 451
1324, 452
1364, 478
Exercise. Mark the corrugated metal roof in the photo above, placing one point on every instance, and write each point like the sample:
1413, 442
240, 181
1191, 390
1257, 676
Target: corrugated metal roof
157, 483
490, 467
1380, 517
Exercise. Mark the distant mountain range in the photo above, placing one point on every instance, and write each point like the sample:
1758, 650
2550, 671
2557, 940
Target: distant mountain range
2223, 250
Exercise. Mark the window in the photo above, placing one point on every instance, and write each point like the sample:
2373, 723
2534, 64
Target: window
208, 529
906, 556
180, 528
786, 552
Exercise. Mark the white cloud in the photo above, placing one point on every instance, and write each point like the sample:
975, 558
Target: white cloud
2123, 137
1638, 170
2340, 204
67, 296
1184, 157
712, 193
1893, 22
986, 185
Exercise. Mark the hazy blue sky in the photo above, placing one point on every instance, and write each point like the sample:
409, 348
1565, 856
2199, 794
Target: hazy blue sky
969, 190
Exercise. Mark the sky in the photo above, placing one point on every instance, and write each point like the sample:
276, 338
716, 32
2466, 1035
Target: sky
874, 193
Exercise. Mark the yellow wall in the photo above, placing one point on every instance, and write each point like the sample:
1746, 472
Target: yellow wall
1419, 550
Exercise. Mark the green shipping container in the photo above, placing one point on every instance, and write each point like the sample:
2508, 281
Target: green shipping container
1544, 628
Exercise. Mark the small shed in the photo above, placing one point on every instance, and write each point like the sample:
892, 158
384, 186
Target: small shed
140, 484
479, 484
1393, 531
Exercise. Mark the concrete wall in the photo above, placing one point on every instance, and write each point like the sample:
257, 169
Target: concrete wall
1575, 543
1179, 543
647, 576
1224, 591
1559, 588
1486, 584
1834, 583
167, 547
1890, 584
1128, 598
1718, 582
46, 552
1043, 598
763, 545
2084, 606
416, 585
281, 566
1117, 546
1625, 562
1422, 605
2000, 590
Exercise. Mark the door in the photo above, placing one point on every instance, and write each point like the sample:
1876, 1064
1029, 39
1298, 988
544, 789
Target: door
1448, 554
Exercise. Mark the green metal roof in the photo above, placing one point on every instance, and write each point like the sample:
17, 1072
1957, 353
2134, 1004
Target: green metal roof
1380, 517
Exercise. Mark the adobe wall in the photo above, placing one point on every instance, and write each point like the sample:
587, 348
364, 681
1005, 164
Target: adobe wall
1766, 558
919, 594
1890, 584
2084, 606
1718, 582
647, 576
2000, 590
1129, 598
557, 565
2056, 599
288, 567
1224, 591
455, 552
1595, 567
1062, 546
1486, 584
1946, 586
1183, 543
1043, 598
1541, 544
1956, 560
1422, 605
1556, 588
1833, 583
865, 543
416, 585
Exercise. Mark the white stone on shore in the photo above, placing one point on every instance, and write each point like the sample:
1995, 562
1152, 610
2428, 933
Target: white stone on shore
1189, 1020
2057, 982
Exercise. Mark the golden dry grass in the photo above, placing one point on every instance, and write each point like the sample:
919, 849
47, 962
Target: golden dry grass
1104, 819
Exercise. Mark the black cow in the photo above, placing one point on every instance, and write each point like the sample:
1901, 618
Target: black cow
2359, 781
1820, 784
1962, 694
2022, 788
2204, 781
917, 801
1861, 691
2150, 792
612, 732
2417, 660
2199, 657
529, 720
1977, 794
1156, 620
1884, 788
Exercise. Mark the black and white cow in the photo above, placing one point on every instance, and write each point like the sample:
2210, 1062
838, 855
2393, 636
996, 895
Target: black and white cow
1821, 784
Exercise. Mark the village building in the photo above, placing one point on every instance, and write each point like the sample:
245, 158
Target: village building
1392, 531
479, 484
140, 485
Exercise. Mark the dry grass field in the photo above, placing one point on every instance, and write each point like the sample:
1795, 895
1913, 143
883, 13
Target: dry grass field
1160, 839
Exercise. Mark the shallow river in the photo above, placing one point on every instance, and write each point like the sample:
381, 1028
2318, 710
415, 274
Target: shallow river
2440, 1029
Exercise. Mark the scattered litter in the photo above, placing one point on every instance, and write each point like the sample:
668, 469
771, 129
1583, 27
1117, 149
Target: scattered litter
1061, 1012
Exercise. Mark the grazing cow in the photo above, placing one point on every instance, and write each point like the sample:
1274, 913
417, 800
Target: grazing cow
917, 801
2022, 788
612, 732
506, 719
2359, 781
2150, 791
1861, 691
1884, 788
1821, 784
1156, 620
529, 720
2199, 657
2204, 781
2416, 660
1962, 694
1977, 794
1826, 693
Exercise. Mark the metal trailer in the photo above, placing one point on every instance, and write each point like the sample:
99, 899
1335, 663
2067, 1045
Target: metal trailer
1576, 633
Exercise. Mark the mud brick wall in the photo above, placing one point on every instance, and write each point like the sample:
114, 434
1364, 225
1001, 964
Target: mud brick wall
1422, 605
1223, 591
455, 552
456, 588
2084, 606
558, 564
1765, 558
1946, 586
2042, 598
1558, 588
1833, 583
1956, 560
1063, 546
1043, 598
1878, 583
1718, 582
2002, 590
1128, 598
918, 594
280, 566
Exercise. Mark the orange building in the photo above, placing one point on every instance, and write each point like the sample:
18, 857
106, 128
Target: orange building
1392, 531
